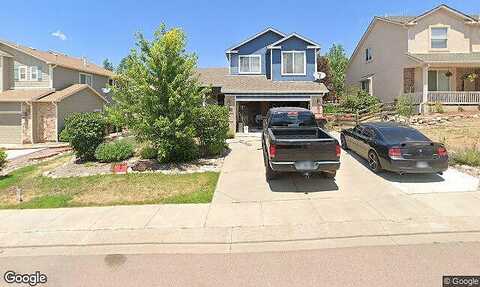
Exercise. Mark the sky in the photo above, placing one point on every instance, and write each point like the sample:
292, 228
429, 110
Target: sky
105, 28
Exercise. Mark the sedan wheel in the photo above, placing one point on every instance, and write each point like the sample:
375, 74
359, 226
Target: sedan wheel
343, 142
373, 162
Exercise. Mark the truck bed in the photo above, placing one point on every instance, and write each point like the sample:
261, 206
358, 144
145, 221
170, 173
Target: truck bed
280, 134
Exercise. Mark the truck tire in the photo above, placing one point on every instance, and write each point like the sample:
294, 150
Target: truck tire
330, 174
270, 173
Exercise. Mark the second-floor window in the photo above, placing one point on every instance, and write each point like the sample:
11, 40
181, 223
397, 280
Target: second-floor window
293, 63
249, 64
368, 54
85, 79
22, 73
439, 38
33, 73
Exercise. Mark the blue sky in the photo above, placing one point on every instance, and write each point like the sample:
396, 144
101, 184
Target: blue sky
104, 29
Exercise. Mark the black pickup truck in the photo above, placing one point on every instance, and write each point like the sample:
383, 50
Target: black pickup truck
293, 142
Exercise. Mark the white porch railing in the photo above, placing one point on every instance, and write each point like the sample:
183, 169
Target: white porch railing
448, 97
454, 97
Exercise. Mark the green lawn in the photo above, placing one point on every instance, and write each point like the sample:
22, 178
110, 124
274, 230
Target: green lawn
149, 188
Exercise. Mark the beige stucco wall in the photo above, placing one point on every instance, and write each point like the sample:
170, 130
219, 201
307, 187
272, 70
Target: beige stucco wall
83, 101
389, 46
461, 37
63, 77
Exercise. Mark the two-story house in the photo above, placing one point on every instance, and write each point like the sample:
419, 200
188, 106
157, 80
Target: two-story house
434, 57
39, 89
267, 70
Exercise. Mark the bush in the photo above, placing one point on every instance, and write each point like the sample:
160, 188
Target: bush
469, 156
3, 159
438, 108
230, 134
114, 151
331, 109
404, 106
212, 126
64, 136
148, 152
85, 132
354, 100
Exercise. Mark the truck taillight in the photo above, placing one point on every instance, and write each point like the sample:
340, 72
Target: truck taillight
441, 151
394, 152
273, 150
338, 150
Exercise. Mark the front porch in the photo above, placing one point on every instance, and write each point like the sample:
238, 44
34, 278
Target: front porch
448, 85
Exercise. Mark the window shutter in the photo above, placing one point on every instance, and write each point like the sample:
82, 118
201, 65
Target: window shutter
16, 73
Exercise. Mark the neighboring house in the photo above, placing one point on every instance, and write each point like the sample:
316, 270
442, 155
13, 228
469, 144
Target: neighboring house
267, 70
39, 89
434, 57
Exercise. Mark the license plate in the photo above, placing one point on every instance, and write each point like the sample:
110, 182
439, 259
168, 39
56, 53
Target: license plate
422, 164
304, 165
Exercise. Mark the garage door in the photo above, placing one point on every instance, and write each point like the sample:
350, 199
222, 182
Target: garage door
10, 123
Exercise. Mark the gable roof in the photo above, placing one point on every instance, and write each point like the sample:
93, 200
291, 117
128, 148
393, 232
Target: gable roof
450, 9
5, 54
316, 45
67, 92
269, 29
255, 84
60, 60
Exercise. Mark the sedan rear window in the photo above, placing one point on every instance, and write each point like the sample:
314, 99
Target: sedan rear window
293, 119
400, 134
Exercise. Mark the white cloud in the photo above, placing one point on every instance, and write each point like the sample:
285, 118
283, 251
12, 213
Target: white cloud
60, 35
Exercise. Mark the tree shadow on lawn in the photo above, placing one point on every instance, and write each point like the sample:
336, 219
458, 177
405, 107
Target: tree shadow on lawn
293, 182
395, 177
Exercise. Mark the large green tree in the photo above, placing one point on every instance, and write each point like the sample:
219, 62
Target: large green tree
107, 65
338, 61
156, 92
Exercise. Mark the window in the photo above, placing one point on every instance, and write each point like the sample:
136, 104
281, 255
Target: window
365, 85
293, 63
438, 80
368, 54
439, 38
22, 73
249, 64
33, 73
86, 79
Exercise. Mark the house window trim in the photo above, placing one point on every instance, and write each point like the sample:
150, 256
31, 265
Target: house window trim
20, 74
31, 73
86, 74
449, 79
370, 54
249, 64
430, 37
293, 63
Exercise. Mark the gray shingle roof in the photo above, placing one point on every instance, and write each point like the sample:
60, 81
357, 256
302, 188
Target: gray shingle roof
406, 19
250, 84
447, 57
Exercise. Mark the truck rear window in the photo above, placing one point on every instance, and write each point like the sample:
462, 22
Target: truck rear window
293, 119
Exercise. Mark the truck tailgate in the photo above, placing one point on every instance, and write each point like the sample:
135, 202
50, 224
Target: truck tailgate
324, 150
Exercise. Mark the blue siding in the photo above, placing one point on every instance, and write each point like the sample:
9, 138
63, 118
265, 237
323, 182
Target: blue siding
293, 44
257, 46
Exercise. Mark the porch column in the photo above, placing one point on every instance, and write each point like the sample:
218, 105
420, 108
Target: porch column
424, 105
232, 110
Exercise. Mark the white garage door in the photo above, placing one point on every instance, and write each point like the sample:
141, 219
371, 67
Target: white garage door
10, 123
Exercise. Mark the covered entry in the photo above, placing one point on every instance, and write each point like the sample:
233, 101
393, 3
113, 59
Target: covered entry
10, 123
251, 109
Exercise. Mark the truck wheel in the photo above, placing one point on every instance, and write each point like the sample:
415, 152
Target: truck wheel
270, 173
330, 174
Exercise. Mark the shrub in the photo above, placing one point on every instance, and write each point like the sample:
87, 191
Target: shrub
3, 159
331, 109
230, 134
438, 108
354, 100
148, 152
212, 126
64, 136
85, 132
469, 156
404, 106
114, 151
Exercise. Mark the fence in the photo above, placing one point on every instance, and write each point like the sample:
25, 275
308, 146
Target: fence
447, 97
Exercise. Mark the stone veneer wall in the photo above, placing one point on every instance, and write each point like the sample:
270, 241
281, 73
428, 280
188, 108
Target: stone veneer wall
316, 105
46, 122
27, 122
232, 109
409, 80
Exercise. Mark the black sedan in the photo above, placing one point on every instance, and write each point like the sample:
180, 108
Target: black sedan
395, 147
